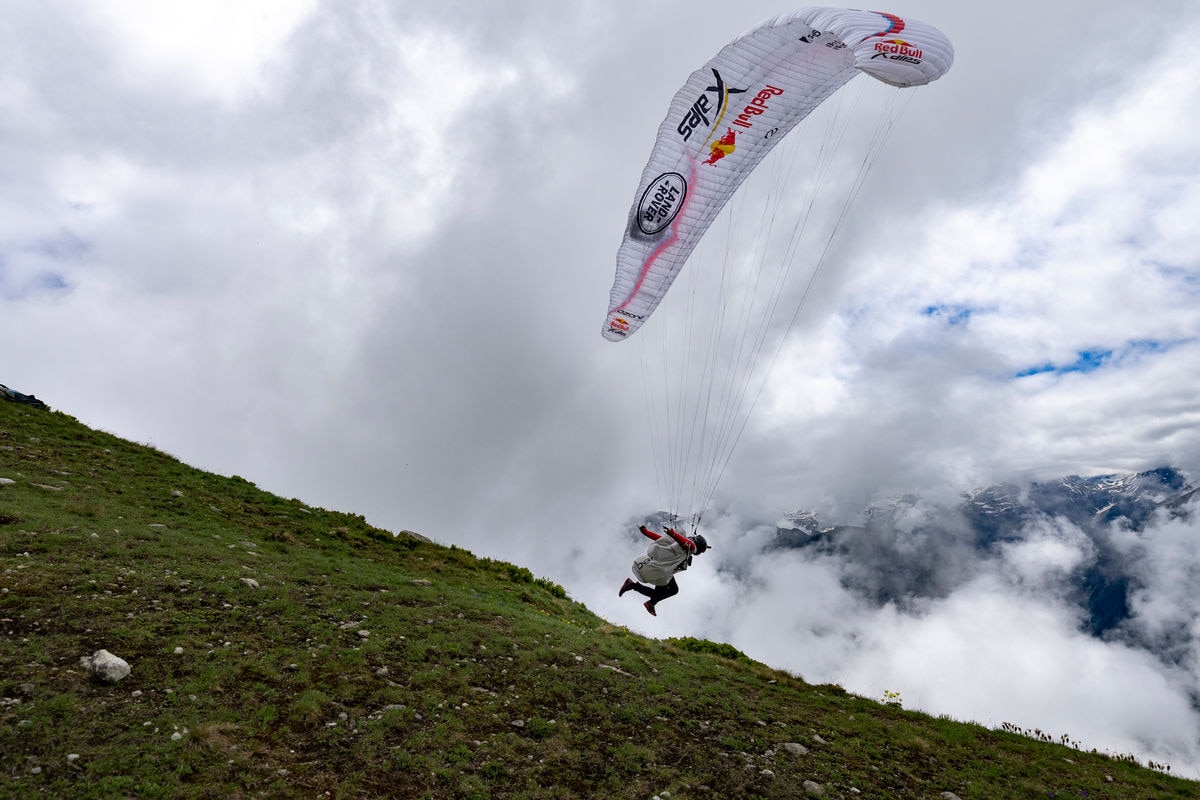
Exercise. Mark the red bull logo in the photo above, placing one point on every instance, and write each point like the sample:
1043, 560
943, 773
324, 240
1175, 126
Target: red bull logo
898, 47
757, 106
721, 147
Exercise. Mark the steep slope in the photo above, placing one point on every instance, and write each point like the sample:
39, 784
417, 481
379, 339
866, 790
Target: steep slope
281, 650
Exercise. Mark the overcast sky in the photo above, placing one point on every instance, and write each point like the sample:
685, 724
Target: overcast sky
359, 253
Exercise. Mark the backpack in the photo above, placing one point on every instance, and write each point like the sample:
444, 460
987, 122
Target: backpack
664, 557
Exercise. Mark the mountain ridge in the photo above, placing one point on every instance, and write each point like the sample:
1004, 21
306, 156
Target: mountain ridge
989, 518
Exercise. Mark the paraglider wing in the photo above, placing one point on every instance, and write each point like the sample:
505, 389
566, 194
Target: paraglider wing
728, 116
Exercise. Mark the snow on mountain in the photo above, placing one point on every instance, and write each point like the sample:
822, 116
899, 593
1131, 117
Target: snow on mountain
909, 550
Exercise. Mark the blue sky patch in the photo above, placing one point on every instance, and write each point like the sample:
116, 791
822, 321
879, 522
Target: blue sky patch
950, 313
1087, 361
1092, 360
14, 287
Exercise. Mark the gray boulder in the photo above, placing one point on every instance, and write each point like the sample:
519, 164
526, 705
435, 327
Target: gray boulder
105, 666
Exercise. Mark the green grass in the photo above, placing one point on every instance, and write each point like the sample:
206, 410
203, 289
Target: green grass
367, 664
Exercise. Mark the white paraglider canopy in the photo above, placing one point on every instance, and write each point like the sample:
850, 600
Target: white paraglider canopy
702, 378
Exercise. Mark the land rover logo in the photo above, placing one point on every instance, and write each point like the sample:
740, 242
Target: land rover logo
661, 202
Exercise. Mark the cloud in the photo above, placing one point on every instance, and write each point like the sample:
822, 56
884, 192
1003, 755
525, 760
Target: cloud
999, 655
218, 49
1164, 608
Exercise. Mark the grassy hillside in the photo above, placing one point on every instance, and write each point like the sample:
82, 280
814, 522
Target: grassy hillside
281, 650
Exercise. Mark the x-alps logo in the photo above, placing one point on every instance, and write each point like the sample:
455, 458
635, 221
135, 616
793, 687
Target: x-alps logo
706, 112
